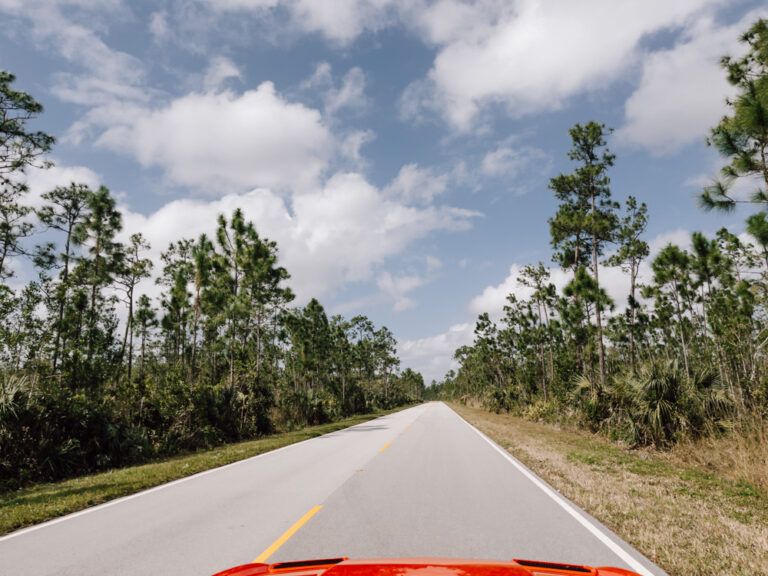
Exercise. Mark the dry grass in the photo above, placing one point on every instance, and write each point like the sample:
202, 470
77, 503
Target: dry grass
698, 510
741, 456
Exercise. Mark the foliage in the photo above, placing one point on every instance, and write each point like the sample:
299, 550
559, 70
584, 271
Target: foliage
742, 136
19, 147
687, 357
95, 374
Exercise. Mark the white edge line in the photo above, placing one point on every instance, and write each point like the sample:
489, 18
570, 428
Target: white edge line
122, 499
565, 505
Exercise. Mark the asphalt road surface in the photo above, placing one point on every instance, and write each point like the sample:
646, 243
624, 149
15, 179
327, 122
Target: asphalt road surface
420, 482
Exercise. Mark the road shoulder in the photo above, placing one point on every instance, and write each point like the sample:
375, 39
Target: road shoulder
684, 520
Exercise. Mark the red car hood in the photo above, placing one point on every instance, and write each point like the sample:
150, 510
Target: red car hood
420, 567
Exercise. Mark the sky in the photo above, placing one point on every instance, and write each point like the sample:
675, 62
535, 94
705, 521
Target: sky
398, 151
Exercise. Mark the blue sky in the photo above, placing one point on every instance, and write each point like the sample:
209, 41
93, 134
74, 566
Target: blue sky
398, 151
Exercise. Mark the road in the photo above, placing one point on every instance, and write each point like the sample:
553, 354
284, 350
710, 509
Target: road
420, 482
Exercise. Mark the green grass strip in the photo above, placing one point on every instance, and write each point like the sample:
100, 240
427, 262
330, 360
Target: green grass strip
42, 502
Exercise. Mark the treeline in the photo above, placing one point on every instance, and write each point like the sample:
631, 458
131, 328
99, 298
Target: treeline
96, 374
688, 354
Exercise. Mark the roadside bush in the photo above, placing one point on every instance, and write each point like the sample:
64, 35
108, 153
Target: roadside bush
543, 411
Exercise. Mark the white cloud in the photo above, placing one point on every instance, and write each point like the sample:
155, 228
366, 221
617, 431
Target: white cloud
433, 355
238, 5
108, 81
679, 237
446, 20
107, 71
363, 225
352, 143
42, 181
224, 140
493, 298
219, 70
349, 94
397, 288
414, 184
158, 26
509, 162
531, 56
341, 21
321, 77
433, 264
682, 90
340, 233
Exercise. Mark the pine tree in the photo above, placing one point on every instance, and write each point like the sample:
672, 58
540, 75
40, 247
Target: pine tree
104, 256
631, 253
65, 211
19, 148
742, 136
586, 219
133, 269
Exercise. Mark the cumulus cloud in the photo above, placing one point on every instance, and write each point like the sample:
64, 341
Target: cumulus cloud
342, 21
340, 233
493, 298
433, 355
42, 181
225, 140
682, 90
506, 54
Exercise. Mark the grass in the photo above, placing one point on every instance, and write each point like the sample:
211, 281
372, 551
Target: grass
698, 509
42, 502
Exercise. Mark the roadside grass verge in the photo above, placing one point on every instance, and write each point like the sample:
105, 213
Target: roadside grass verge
686, 515
42, 502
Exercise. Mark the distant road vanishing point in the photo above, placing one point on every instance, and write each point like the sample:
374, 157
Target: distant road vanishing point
420, 482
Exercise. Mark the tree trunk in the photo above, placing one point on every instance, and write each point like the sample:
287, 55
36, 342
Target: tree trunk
194, 331
143, 337
541, 353
130, 334
682, 332
62, 299
258, 346
598, 317
549, 339
92, 311
632, 301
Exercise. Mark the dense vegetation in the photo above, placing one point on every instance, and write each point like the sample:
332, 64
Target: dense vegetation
688, 354
95, 374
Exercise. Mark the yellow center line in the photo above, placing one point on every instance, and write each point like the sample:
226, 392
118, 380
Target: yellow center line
285, 537
386, 446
